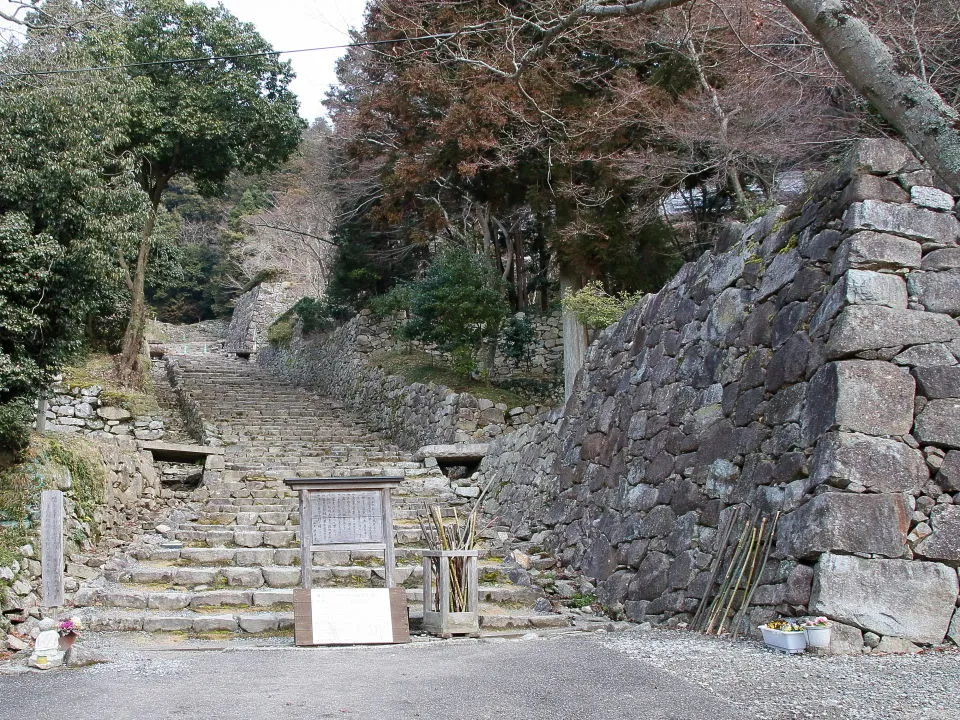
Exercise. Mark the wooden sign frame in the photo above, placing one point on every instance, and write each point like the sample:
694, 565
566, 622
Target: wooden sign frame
390, 603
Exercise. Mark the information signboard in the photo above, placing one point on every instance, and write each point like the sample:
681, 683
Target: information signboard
347, 513
347, 516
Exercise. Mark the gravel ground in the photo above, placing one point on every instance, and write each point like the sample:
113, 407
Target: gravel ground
769, 685
549, 675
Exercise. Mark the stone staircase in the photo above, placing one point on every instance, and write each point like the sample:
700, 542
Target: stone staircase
225, 557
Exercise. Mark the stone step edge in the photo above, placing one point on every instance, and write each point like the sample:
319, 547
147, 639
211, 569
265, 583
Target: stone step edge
134, 597
267, 622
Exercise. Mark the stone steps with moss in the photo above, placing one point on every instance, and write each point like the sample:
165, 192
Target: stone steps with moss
275, 622
240, 557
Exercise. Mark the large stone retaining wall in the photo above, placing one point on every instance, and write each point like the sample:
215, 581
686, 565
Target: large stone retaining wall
254, 313
413, 415
808, 366
90, 411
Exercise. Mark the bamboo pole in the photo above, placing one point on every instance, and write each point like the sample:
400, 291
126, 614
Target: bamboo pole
738, 621
728, 577
736, 585
749, 566
699, 616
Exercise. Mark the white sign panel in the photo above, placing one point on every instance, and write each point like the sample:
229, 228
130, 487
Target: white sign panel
348, 517
351, 615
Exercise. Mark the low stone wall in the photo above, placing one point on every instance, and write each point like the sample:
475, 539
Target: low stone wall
413, 415
83, 410
131, 493
807, 367
197, 427
370, 335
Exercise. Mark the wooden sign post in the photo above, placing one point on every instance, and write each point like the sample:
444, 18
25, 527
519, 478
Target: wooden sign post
347, 513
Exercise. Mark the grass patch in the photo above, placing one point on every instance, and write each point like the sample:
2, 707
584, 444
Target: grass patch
581, 601
21, 485
101, 370
421, 367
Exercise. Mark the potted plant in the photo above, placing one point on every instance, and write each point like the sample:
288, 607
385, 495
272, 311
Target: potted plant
69, 631
817, 631
784, 636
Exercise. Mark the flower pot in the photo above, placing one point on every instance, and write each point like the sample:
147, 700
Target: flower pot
67, 640
788, 642
818, 636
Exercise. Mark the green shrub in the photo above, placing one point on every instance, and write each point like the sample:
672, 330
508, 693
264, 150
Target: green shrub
517, 338
16, 420
314, 314
459, 303
280, 334
597, 308
397, 299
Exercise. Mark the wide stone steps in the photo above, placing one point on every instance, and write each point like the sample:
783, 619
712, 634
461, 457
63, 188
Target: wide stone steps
263, 535
289, 576
270, 622
150, 597
240, 555
246, 557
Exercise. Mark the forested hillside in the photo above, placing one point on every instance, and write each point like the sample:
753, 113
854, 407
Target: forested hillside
479, 157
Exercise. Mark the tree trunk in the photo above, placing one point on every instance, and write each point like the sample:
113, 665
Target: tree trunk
908, 103
131, 356
574, 340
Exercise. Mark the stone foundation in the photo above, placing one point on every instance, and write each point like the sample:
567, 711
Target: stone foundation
808, 367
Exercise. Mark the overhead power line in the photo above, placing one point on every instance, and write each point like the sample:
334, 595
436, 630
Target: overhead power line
208, 58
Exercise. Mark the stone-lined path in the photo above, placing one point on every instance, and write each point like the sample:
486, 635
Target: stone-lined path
240, 535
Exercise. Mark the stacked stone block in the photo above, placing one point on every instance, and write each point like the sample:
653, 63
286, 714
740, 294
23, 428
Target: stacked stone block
412, 415
83, 410
808, 366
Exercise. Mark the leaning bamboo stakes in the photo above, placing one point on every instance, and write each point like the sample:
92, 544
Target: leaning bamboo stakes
754, 580
729, 606
460, 534
698, 618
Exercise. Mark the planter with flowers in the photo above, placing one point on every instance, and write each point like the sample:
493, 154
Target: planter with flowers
817, 631
69, 631
784, 636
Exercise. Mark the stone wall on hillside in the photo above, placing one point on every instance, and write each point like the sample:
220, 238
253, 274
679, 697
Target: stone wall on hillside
90, 411
254, 313
413, 415
808, 366
131, 493
371, 336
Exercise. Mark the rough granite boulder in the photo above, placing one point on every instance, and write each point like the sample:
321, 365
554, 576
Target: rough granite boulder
865, 287
939, 423
948, 476
864, 396
870, 327
912, 600
848, 522
936, 383
877, 251
902, 220
877, 464
937, 291
881, 156
944, 543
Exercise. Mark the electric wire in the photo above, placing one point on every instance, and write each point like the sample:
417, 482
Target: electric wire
209, 58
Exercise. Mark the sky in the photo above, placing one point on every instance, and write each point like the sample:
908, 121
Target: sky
292, 25
295, 24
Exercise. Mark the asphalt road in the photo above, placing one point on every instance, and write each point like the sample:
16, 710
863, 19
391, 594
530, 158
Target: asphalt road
564, 677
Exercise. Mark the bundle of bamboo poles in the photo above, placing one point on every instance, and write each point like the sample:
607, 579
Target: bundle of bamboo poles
460, 533
729, 606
